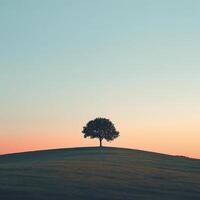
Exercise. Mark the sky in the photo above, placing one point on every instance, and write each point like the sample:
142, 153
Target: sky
65, 62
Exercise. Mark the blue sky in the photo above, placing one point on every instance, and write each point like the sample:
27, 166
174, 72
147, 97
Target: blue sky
74, 60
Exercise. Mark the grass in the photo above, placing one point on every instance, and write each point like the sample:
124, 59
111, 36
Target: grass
98, 173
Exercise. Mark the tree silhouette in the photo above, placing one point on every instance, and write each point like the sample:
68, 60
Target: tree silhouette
100, 128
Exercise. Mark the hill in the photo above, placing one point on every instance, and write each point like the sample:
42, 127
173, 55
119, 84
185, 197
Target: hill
98, 173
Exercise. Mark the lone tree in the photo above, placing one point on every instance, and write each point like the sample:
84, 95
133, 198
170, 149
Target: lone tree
100, 128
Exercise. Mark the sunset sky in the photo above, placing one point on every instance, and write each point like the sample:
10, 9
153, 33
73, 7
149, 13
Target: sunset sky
65, 62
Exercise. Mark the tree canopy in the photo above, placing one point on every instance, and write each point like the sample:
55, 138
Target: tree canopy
100, 128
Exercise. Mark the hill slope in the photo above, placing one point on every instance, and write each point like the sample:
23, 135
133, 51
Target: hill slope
98, 173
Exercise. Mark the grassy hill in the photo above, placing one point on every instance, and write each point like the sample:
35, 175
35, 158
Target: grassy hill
98, 173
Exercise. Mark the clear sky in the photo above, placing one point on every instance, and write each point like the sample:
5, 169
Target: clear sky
64, 62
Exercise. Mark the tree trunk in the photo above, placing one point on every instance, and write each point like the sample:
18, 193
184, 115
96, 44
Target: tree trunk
100, 140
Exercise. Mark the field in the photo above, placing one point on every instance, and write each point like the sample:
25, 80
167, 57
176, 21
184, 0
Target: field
98, 173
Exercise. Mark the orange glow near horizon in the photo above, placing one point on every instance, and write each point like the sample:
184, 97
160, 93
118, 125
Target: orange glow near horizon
151, 137
56, 143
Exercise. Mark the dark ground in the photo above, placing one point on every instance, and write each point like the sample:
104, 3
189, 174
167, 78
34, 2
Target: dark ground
98, 173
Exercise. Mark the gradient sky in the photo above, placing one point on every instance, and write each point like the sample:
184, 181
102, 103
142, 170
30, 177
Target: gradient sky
65, 62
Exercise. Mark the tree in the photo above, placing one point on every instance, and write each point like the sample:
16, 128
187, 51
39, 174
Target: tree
100, 128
